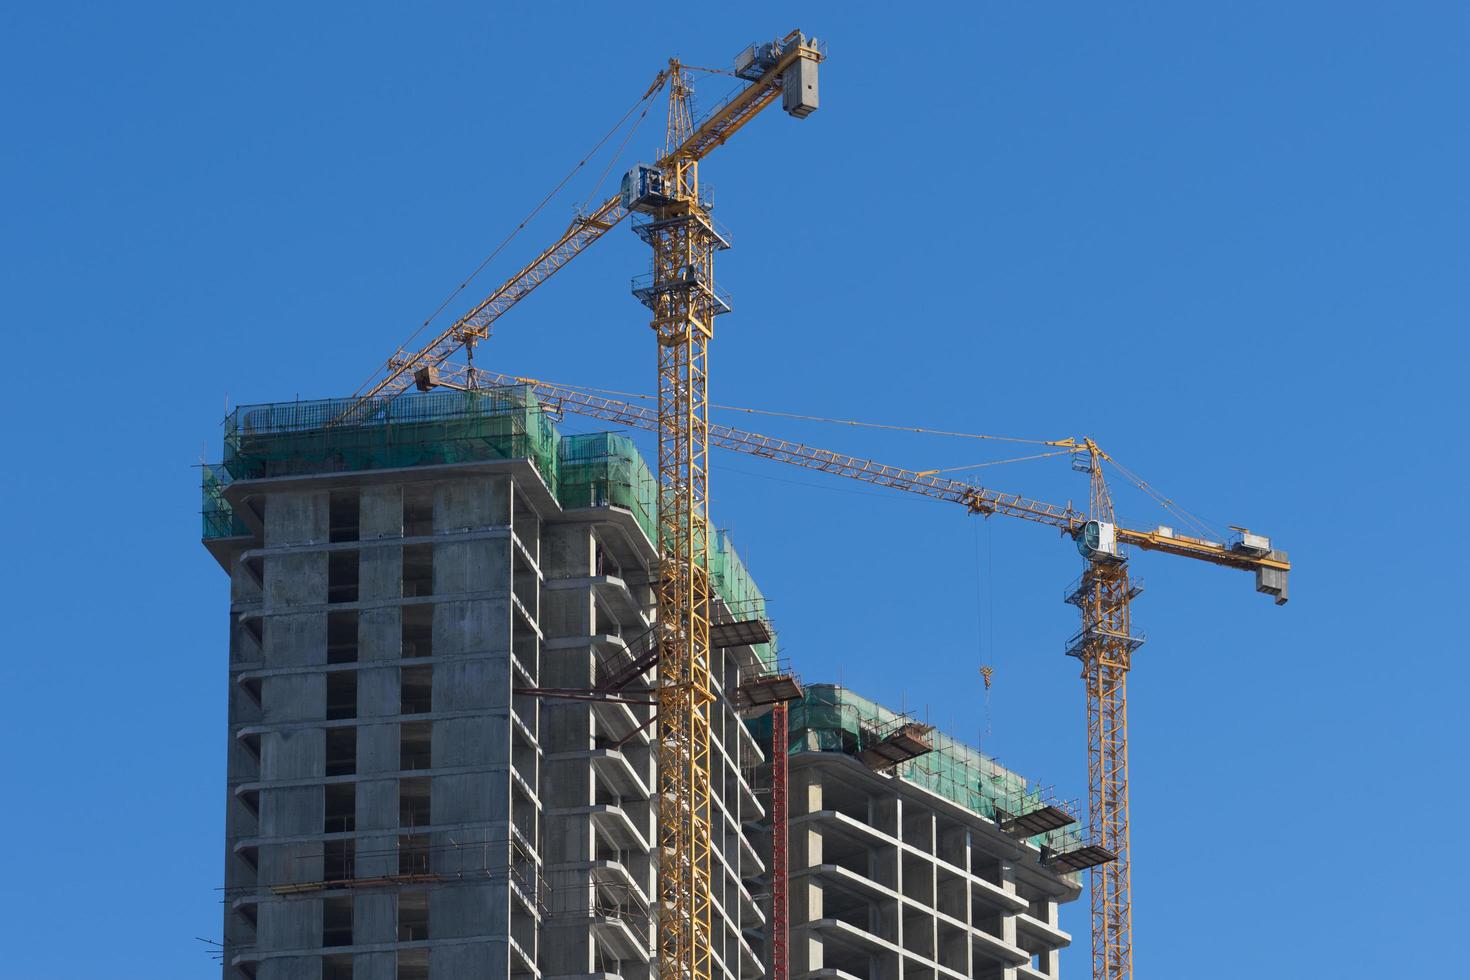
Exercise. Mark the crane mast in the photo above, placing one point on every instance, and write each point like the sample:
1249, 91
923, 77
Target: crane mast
680, 293
674, 221
1105, 647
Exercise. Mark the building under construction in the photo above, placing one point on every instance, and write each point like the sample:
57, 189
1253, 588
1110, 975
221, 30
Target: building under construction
441, 744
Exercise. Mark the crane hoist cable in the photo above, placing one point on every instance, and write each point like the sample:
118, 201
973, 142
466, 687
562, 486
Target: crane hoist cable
646, 102
1167, 503
1068, 444
996, 462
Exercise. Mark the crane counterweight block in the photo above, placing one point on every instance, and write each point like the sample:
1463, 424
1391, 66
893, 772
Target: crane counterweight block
1272, 581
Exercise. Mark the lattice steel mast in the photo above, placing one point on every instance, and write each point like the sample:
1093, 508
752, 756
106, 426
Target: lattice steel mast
680, 292
1105, 646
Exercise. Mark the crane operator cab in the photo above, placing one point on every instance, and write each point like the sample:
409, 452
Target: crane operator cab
643, 189
1098, 541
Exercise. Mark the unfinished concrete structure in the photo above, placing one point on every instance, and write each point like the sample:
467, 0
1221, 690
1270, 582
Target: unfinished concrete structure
401, 804
914, 857
415, 788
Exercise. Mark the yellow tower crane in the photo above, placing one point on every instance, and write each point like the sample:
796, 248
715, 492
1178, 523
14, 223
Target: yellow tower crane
1103, 593
674, 219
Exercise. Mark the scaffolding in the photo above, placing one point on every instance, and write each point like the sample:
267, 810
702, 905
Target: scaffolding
220, 519
602, 469
775, 686
734, 584
598, 469
830, 718
305, 437
294, 438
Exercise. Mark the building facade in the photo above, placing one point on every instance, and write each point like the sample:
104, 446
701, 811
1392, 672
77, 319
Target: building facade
405, 799
913, 855
426, 781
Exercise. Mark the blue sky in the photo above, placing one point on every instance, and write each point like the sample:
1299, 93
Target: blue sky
1228, 242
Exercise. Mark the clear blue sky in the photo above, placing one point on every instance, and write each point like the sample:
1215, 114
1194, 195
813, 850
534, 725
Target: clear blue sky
1229, 242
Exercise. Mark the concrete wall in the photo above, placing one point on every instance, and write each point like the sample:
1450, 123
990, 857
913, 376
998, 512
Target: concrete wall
289, 821
376, 734
888, 881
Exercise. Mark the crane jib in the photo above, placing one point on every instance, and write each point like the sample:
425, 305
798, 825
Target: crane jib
1271, 566
722, 124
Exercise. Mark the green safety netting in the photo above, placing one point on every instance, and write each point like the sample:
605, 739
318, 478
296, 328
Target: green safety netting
830, 718
294, 438
600, 469
583, 470
733, 583
291, 438
219, 517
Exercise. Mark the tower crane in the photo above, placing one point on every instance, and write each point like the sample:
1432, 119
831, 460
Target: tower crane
1103, 593
674, 220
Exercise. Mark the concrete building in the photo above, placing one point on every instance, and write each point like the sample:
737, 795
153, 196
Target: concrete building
406, 800
912, 856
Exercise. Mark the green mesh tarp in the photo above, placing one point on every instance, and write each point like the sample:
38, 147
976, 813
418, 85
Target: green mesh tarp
219, 517
585, 470
733, 583
291, 438
600, 469
829, 718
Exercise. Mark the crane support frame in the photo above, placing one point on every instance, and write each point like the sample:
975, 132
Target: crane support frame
683, 322
1106, 653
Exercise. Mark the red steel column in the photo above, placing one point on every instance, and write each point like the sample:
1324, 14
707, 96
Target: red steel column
780, 964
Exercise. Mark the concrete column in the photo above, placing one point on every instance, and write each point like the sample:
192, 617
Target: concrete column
294, 580
567, 785
290, 923
380, 513
1008, 919
969, 917
456, 962
471, 566
375, 966
470, 911
296, 518
380, 573
379, 639
374, 918
886, 862
805, 944
292, 967
471, 504
566, 551
804, 793
480, 687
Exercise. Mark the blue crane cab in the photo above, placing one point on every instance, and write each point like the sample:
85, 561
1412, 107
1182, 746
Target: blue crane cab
643, 189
